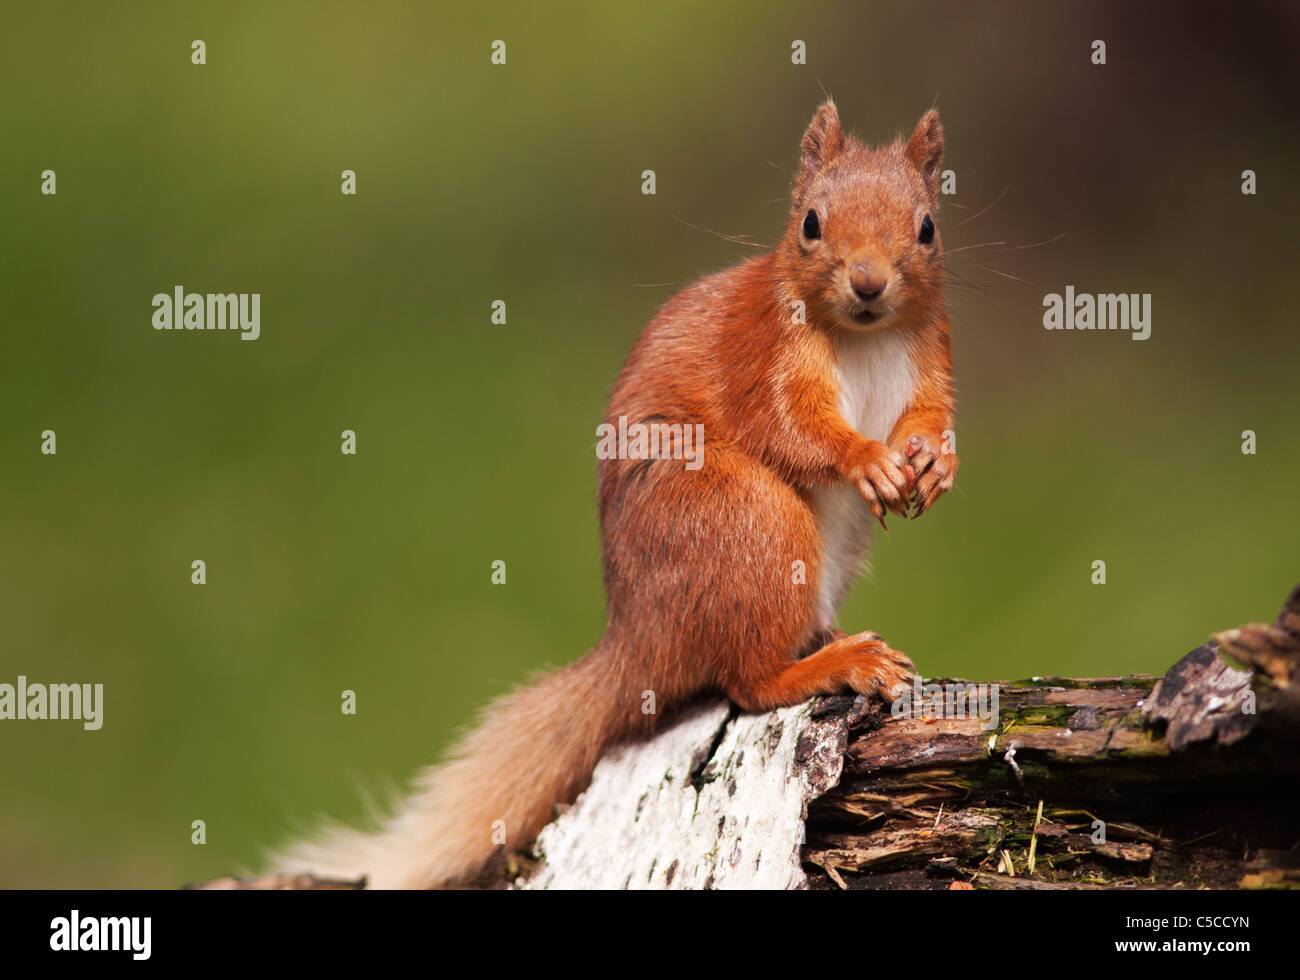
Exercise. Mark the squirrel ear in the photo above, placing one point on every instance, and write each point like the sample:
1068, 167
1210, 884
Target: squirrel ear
823, 140
925, 149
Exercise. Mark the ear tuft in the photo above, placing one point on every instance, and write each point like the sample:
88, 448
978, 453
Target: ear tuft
823, 140
925, 150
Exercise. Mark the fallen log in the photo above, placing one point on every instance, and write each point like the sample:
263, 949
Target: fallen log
1182, 781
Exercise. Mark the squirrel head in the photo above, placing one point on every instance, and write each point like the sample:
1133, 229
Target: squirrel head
862, 249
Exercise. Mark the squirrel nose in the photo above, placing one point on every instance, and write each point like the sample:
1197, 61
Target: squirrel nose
868, 281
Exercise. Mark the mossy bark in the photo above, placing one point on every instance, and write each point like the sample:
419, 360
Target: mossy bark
1127, 799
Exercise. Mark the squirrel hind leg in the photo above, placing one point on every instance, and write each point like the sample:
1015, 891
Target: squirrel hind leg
863, 662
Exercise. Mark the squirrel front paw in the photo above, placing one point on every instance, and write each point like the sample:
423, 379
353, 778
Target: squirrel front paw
880, 474
933, 468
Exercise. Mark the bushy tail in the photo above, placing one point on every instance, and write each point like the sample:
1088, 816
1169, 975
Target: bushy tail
532, 748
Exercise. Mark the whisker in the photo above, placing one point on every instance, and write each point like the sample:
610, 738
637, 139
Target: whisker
991, 203
1005, 274
954, 251
1018, 248
735, 239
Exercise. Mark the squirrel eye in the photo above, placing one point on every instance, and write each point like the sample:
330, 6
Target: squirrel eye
812, 226
927, 231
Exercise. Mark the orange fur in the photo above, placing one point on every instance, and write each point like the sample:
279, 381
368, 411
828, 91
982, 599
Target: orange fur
698, 562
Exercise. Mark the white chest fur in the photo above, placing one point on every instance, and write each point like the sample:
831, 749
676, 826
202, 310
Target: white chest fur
876, 378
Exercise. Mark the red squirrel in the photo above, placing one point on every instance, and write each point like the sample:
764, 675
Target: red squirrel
821, 375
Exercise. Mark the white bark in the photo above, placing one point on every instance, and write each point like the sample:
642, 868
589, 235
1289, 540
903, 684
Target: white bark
643, 823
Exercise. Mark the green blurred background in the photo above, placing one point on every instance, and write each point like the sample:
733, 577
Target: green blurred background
371, 573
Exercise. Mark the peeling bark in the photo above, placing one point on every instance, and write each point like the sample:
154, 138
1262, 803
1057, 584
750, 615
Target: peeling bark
665, 814
1144, 782
1137, 782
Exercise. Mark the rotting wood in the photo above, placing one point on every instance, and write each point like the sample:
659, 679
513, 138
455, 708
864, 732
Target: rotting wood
1181, 781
